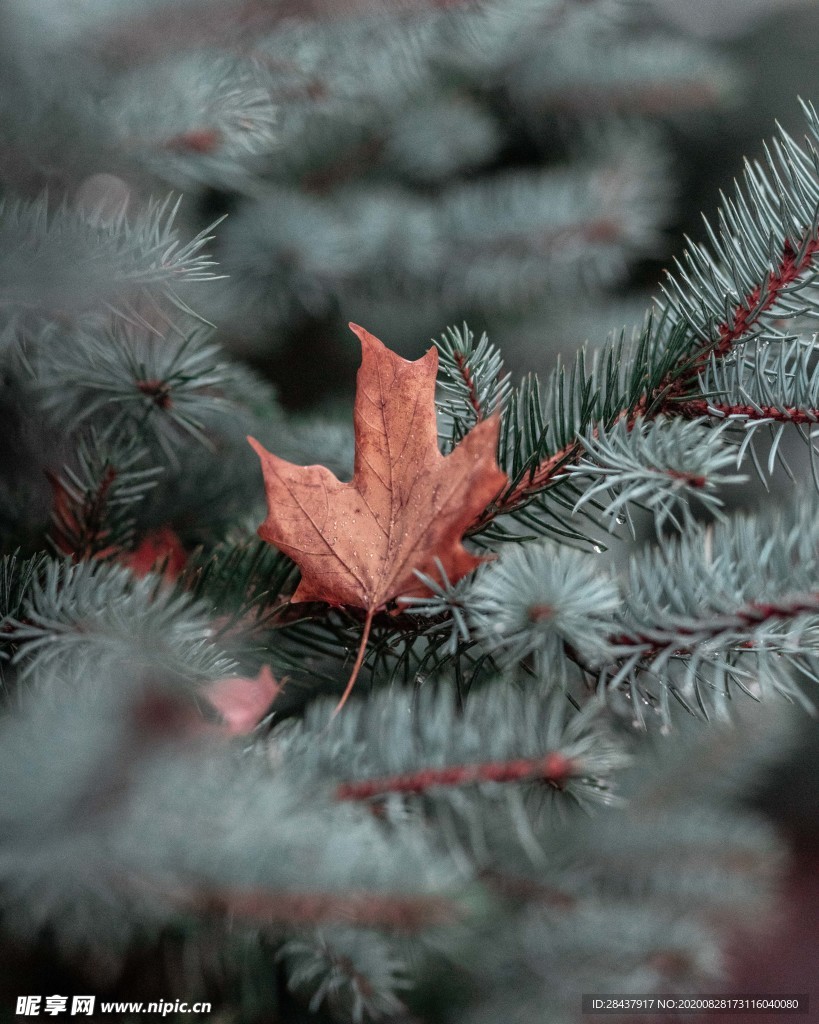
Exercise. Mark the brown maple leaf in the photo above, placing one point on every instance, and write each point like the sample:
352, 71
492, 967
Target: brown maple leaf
159, 548
242, 701
405, 510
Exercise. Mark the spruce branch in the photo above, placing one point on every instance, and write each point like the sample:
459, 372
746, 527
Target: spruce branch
544, 231
18, 576
185, 24
538, 598
663, 464
590, 68
448, 758
768, 235
446, 602
76, 260
218, 123
742, 618
160, 388
760, 268
763, 385
84, 857
619, 420
553, 769
98, 614
339, 837
472, 381
242, 578
552, 230
94, 500
393, 911
357, 973
750, 414
542, 427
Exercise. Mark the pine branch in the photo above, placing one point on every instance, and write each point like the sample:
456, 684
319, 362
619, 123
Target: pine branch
761, 266
662, 464
472, 382
553, 769
395, 912
93, 504
98, 614
449, 753
356, 973
137, 381
691, 339
73, 260
216, 126
743, 616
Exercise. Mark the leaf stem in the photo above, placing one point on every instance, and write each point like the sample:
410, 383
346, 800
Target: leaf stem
359, 661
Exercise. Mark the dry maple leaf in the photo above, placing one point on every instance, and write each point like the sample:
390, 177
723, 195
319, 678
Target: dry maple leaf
241, 701
405, 510
158, 548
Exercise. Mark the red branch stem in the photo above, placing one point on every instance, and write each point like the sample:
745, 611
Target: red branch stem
545, 473
469, 381
395, 911
527, 890
757, 613
554, 769
761, 299
195, 23
78, 518
788, 414
646, 98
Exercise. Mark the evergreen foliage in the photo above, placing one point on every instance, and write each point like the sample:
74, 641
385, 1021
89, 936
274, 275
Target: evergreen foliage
406, 165
536, 789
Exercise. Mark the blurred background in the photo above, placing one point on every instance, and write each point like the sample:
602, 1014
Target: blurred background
529, 168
